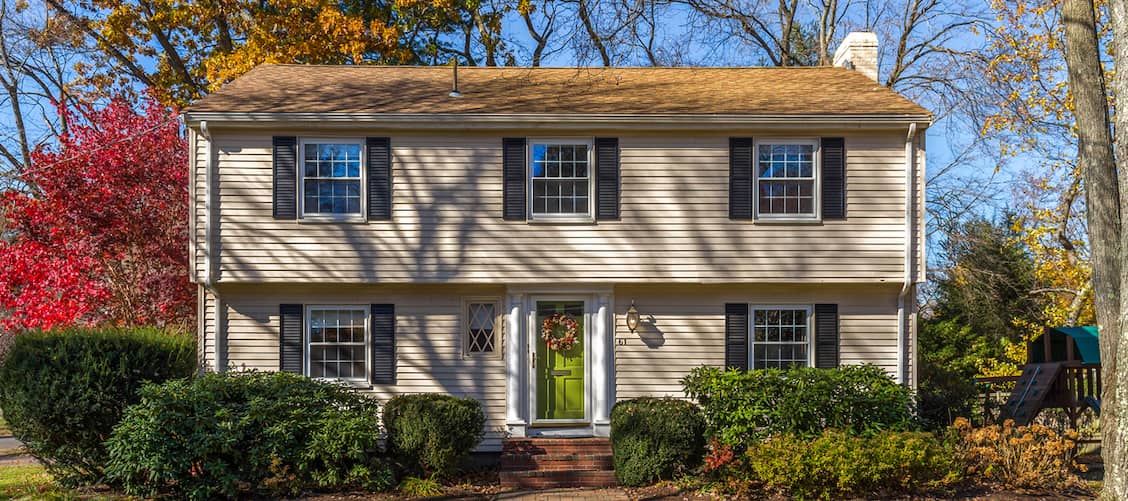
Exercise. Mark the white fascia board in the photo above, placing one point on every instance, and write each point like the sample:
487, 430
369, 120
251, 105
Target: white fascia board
546, 121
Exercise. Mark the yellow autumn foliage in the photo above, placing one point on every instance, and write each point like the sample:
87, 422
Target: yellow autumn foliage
199, 45
1037, 113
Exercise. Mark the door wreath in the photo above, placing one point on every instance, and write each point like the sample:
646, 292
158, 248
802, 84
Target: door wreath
559, 332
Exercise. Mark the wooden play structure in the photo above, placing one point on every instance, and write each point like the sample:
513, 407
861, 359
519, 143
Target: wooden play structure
1062, 371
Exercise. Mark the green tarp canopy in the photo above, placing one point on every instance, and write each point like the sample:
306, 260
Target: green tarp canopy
1086, 345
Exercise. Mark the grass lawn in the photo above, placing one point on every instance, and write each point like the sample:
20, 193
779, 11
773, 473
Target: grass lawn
20, 483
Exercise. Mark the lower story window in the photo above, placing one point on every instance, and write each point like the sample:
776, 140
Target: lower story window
338, 342
781, 337
481, 327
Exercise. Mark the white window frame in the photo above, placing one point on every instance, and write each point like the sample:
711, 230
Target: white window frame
318, 216
816, 171
587, 217
309, 309
810, 309
499, 327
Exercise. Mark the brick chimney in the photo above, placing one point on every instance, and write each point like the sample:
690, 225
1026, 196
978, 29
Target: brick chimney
858, 51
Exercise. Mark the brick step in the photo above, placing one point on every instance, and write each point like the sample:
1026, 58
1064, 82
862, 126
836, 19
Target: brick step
557, 446
556, 479
550, 462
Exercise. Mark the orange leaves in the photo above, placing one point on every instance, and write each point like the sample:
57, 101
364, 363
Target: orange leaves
1024, 457
302, 31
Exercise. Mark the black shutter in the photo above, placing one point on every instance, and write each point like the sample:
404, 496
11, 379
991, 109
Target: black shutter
833, 178
291, 338
740, 178
383, 344
513, 177
736, 336
607, 179
285, 178
379, 178
826, 336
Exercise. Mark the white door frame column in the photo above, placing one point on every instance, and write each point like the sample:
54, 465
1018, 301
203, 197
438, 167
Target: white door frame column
516, 366
519, 355
602, 365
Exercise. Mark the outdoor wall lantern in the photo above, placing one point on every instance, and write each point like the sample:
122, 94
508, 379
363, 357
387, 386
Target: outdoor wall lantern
632, 317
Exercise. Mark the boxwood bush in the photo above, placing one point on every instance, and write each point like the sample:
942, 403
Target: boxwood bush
655, 438
743, 406
227, 435
836, 465
431, 433
63, 391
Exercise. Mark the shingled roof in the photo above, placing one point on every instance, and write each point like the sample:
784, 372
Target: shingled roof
630, 91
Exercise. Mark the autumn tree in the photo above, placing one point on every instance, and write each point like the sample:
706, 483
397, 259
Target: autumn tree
1106, 187
1035, 123
182, 50
103, 239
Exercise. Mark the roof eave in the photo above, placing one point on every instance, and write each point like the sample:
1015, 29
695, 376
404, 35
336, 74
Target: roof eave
554, 121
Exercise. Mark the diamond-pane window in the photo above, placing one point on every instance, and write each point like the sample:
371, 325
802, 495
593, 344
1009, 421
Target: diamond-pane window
481, 327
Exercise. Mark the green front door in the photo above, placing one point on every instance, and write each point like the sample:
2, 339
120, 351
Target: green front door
560, 374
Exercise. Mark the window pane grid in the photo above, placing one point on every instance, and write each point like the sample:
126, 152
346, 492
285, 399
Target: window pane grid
780, 338
481, 328
331, 178
560, 179
786, 179
337, 343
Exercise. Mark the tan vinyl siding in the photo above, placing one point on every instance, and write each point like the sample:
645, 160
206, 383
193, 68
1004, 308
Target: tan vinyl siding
198, 228
447, 224
428, 339
688, 323
209, 314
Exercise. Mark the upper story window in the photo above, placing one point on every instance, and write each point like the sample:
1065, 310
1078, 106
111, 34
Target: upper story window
338, 342
560, 176
331, 178
781, 337
786, 186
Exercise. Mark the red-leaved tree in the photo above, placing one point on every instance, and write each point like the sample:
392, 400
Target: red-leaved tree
100, 234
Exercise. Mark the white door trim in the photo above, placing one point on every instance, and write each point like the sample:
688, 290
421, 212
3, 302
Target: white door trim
520, 354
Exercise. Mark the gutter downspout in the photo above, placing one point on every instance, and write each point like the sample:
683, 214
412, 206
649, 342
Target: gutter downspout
906, 285
209, 238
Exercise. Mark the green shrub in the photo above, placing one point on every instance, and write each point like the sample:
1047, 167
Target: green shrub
63, 391
743, 406
431, 433
655, 438
415, 487
836, 465
222, 435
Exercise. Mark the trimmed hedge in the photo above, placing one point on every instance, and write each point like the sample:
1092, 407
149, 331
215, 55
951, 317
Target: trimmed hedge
743, 406
655, 438
225, 435
431, 433
835, 465
63, 391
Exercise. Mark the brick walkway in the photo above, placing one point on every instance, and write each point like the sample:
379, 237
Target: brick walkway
565, 495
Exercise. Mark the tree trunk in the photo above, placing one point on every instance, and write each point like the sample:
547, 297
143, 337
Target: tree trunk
1102, 193
1114, 347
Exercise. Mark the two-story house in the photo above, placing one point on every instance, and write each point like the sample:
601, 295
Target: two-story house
550, 241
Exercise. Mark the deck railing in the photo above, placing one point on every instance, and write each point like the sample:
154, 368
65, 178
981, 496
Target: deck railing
1078, 386
1078, 382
